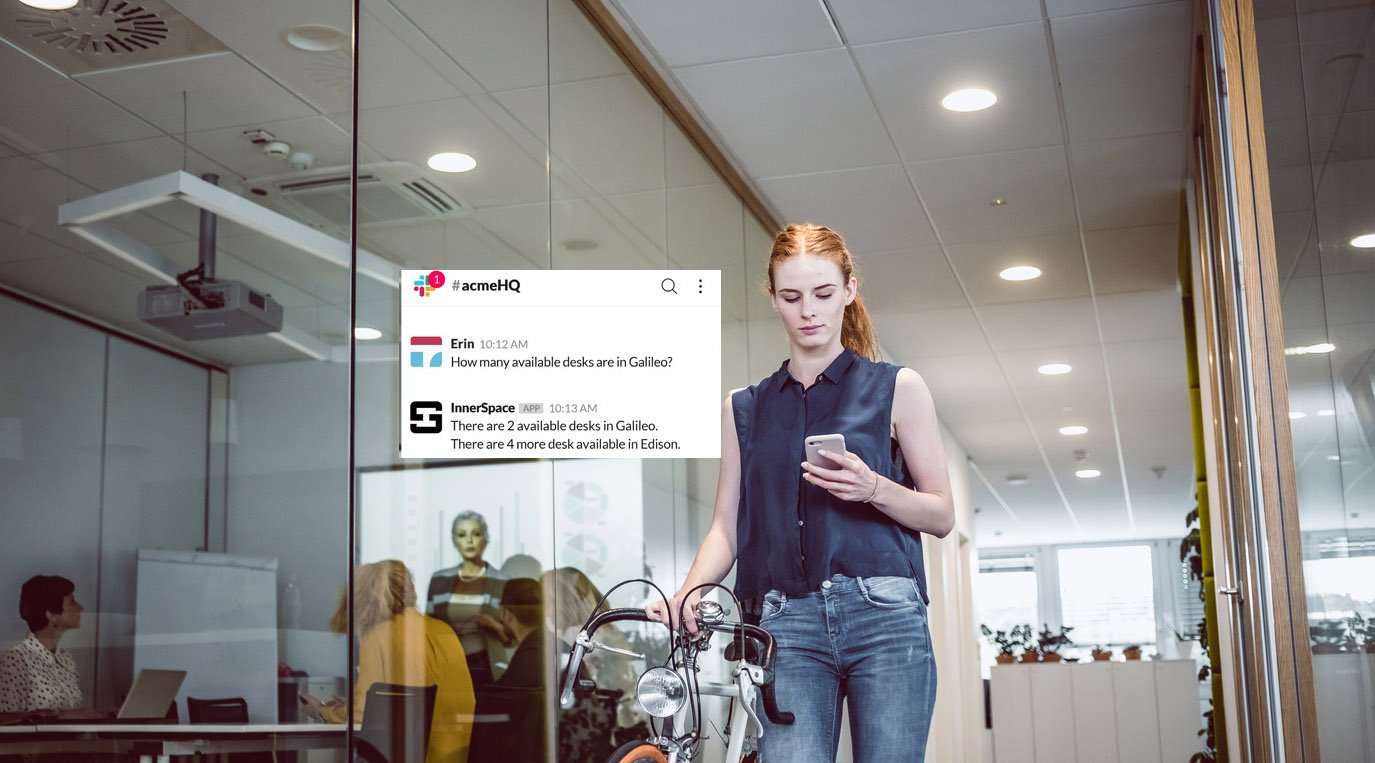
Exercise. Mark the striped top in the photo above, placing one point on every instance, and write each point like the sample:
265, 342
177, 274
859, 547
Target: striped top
458, 602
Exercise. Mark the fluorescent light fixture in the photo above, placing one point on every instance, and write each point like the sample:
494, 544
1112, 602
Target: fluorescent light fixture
1334, 458
1296, 415
1363, 241
1087, 474
1054, 369
1326, 412
366, 333
50, 5
969, 99
450, 161
1074, 429
1020, 273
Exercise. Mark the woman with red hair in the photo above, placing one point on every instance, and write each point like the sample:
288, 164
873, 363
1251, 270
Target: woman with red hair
829, 557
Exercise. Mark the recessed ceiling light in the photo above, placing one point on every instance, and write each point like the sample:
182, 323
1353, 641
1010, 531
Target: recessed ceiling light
1054, 369
1020, 273
1312, 349
1326, 412
1072, 430
970, 99
450, 161
1334, 458
1297, 414
49, 5
316, 38
1016, 479
1364, 241
1087, 474
366, 333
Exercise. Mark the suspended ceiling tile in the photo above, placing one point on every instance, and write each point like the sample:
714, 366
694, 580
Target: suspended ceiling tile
46, 111
1085, 360
918, 279
1060, 258
706, 228
1141, 315
873, 208
1057, 8
910, 77
610, 133
1129, 182
1040, 325
16, 244
320, 137
1134, 259
866, 21
711, 31
765, 110
505, 174
952, 331
960, 193
222, 90
1125, 72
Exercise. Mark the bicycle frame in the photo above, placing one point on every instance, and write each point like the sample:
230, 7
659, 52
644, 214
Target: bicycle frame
750, 679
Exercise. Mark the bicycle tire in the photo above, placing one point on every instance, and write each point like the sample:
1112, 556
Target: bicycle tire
637, 752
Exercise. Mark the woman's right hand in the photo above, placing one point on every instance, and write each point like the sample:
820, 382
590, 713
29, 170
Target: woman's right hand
679, 602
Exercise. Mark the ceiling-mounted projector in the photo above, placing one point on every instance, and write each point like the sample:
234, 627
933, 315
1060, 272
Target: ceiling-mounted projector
214, 310
200, 306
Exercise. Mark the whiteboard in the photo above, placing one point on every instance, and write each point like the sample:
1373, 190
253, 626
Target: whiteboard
214, 616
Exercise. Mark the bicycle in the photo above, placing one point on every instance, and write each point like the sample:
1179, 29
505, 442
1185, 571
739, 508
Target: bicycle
663, 690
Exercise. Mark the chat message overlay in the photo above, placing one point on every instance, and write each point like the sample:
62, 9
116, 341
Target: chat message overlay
561, 364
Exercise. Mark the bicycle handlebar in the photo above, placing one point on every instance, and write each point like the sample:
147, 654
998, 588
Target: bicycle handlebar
735, 630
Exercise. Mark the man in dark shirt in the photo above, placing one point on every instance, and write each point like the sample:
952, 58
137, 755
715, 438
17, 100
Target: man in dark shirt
523, 615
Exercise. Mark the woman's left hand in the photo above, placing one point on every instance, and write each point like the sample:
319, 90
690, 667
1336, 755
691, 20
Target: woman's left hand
850, 480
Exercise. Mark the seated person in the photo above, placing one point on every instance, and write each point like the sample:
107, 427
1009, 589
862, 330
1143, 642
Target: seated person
522, 614
584, 732
37, 675
399, 645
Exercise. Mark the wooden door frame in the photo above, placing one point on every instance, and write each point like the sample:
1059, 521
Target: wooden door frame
1257, 551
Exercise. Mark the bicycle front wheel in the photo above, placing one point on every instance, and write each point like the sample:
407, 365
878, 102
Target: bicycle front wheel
637, 752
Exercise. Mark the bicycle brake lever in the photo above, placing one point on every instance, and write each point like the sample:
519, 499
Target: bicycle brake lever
744, 679
626, 652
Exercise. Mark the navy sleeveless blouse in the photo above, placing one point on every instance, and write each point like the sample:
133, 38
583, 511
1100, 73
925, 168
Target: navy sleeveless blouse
792, 535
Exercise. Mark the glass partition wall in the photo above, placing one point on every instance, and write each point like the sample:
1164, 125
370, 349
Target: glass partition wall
575, 165
1316, 85
212, 498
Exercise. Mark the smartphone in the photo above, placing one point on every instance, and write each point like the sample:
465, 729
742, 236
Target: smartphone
835, 443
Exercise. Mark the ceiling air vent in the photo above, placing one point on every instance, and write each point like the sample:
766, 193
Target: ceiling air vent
388, 193
101, 34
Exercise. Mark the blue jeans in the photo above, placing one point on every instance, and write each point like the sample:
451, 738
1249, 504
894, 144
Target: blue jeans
864, 640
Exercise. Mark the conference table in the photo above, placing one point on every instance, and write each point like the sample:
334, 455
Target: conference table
155, 743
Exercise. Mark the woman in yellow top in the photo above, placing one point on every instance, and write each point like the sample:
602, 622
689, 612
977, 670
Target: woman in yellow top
399, 645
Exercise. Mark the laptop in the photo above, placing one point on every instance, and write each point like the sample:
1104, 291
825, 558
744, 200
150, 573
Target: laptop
152, 693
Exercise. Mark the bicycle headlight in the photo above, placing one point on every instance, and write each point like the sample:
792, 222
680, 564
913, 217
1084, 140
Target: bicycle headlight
661, 692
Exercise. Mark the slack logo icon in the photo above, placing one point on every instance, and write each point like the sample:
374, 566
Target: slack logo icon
426, 417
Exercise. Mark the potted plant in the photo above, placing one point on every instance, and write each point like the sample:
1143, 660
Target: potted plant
1005, 644
1050, 642
1184, 645
1101, 654
1131, 652
1363, 631
1025, 637
1330, 637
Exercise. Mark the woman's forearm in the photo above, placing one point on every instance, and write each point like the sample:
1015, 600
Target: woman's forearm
714, 559
930, 513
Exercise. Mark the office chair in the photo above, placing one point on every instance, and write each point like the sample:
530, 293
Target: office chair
509, 725
396, 723
225, 710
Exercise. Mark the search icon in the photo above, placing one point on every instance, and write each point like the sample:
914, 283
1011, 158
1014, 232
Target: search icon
668, 285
